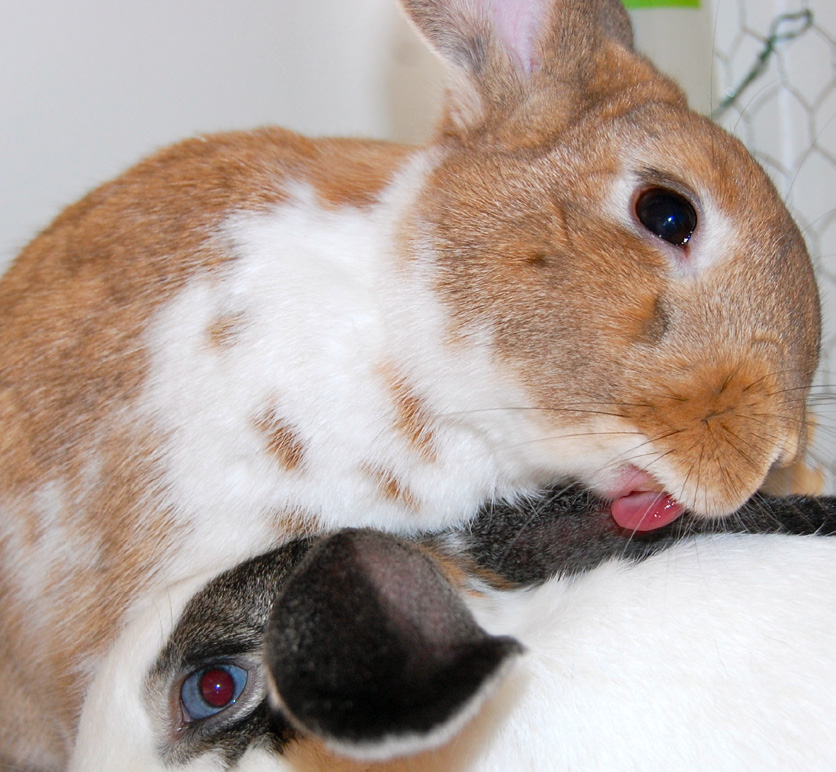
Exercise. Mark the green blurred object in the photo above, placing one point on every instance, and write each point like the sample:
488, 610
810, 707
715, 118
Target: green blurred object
662, 3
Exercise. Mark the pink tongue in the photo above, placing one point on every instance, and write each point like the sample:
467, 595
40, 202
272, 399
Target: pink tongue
645, 511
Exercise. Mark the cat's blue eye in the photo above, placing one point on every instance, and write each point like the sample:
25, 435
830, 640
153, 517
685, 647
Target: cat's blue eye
210, 690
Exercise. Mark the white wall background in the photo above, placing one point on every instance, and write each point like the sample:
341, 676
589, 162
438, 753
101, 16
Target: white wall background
89, 86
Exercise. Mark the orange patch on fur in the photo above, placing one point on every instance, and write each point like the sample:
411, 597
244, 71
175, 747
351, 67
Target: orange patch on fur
412, 418
391, 488
296, 524
455, 569
223, 331
282, 441
460, 568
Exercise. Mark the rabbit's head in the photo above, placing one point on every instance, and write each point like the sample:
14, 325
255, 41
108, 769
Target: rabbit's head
634, 267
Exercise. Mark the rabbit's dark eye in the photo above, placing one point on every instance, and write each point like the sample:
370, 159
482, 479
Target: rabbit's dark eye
667, 214
210, 690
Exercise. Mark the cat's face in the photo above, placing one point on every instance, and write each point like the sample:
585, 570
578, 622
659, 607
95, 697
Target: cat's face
357, 642
151, 705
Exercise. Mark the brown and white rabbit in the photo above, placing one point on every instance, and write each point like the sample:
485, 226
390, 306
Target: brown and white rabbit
255, 336
712, 651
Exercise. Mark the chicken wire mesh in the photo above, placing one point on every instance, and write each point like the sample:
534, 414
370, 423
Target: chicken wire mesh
775, 73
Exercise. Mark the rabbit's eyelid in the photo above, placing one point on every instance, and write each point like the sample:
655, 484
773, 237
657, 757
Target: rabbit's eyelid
655, 178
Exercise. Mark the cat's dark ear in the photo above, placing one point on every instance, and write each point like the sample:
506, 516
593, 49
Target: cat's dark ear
370, 648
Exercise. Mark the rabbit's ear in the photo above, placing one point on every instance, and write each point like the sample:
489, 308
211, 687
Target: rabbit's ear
370, 648
497, 51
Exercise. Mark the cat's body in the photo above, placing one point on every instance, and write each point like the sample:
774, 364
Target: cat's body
711, 651
252, 337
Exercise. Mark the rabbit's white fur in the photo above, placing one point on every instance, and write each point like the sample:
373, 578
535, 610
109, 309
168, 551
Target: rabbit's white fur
355, 310
716, 654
